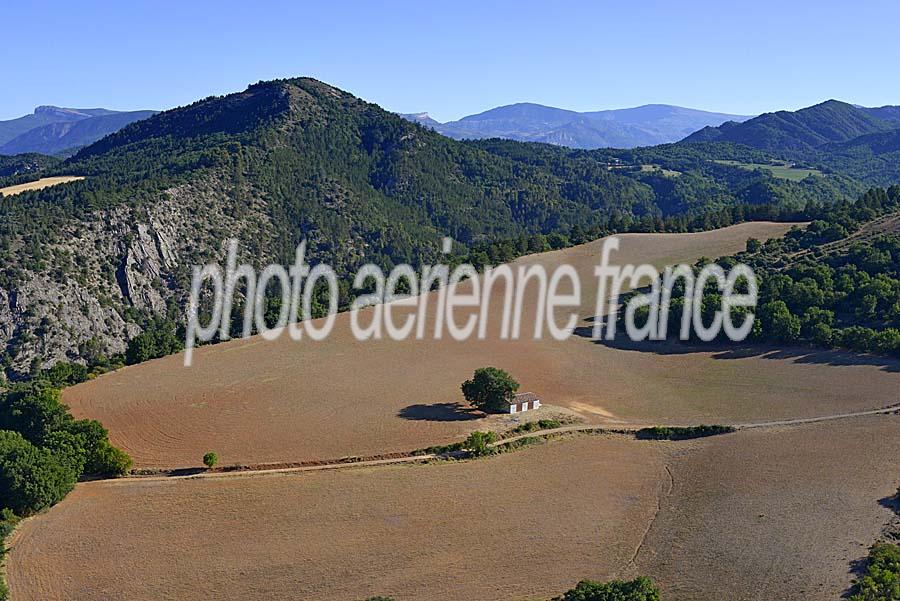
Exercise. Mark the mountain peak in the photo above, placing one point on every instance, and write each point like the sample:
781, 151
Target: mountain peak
805, 129
48, 110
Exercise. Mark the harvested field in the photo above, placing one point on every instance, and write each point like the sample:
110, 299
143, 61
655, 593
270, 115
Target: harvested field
40, 184
760, 514
774, 514
266, 402
566, 510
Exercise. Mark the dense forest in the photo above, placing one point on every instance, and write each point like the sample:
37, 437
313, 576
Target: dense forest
823, 285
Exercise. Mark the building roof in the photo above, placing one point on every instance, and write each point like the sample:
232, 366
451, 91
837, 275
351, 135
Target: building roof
524, 397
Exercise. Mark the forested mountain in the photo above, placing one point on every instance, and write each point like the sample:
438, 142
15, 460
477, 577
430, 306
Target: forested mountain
889, 113
87, 266
53, 130
21, 165
621, 128
803, 130
93, 261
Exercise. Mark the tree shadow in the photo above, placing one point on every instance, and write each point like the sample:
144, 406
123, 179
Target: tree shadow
737, 350
440, 412
891, 533
891, 502
187, 471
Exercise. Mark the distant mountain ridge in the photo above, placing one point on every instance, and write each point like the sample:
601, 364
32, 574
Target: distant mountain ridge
829, 122
57, 130
646, 125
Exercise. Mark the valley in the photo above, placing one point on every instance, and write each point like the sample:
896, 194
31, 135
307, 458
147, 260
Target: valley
601, 506
347, 469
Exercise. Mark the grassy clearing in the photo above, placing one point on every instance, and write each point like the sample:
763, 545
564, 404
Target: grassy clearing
44, 182
782, 171
658, 169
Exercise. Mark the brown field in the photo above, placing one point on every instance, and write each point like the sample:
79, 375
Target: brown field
522, 524
265, 402
760, 514
775, 514
44, 182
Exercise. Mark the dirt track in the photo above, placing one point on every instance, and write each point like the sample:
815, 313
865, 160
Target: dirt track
765, 513
447, 531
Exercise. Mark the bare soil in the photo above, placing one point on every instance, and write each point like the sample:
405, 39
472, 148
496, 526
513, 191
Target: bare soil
767, 513
774, 514
521, 525
256, 402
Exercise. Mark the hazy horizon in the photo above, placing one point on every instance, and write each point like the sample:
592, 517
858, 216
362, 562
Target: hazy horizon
410, 58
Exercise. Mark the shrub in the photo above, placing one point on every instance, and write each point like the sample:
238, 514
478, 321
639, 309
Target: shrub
210, 460
441, 449
490, 389
639, 589
102, 459
681, 433
541, 424
8, 521
516, 444
882, 578
158, 339
477, 443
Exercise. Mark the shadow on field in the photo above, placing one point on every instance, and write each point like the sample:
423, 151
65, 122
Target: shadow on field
187, 471
738, 350
890, 534
891, 502
440, 412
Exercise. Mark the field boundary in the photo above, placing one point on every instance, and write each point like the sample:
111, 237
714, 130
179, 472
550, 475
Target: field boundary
419, 457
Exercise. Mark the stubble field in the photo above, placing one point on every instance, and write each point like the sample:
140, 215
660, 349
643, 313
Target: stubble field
257, 402
44, 182
760, 514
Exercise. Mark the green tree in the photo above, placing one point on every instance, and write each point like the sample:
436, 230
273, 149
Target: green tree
491, 389
779, 322
159, 338
478, 443
33, 410
210, 460
31, 478
101, 458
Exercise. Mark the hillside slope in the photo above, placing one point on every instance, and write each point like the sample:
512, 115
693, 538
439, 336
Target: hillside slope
806, 129
91, 262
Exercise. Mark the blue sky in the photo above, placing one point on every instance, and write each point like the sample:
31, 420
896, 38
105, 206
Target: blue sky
456, 58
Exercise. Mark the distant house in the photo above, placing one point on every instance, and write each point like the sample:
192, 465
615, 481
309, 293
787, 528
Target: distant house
523, 402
